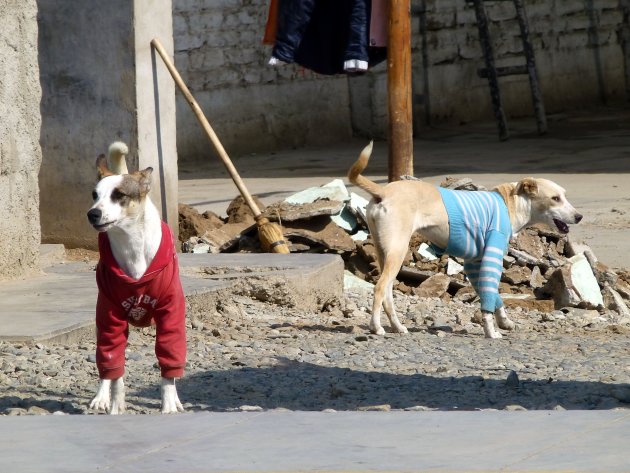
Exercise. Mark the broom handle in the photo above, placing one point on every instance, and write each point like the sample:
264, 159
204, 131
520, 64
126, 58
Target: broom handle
206, 127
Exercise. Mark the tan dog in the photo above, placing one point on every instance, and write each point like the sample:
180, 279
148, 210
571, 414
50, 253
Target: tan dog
401, 208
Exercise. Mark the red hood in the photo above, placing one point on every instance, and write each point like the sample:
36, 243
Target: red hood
163, 257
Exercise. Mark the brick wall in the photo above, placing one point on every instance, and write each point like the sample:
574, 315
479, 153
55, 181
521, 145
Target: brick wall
578, 47
251, 106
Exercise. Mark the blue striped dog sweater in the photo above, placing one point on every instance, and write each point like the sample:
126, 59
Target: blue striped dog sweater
480, 231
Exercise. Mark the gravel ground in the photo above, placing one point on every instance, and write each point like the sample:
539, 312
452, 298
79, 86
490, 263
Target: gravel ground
251, 355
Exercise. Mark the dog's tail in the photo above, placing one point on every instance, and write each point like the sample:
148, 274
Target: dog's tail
354, 174
117, 152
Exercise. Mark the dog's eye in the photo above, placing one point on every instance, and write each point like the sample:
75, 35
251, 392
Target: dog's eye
94, 195
556, 198
117, 195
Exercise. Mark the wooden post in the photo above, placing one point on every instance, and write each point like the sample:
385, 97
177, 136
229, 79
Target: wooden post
399, 90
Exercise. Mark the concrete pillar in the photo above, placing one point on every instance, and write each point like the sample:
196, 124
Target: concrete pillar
20, 154
101, 83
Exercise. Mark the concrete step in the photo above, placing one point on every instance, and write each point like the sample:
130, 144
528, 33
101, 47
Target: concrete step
453, 442
58, 306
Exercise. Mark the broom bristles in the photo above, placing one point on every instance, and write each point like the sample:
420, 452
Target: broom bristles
271, 237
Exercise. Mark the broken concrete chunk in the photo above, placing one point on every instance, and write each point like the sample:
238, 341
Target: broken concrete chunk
536, 279
516, 275
527, 302
334, 190
508, 261
465, 294
346, 220
574, 285
435, 286
523, 258
427, 252
529, 242
239, 212
361, 235
560, 287
453, 267
584, 280
321, 231
573, 248
223, 238
414, 274
603, 273
350, 281
623, 288
287, 212
617, 301
192, 223
357, 206
367, 251
200, 248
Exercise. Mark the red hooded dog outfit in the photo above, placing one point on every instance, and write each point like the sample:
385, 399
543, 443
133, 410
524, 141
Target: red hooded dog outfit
156, 297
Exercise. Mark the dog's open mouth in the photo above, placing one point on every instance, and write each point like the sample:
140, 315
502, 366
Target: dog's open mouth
561, 226
102, 227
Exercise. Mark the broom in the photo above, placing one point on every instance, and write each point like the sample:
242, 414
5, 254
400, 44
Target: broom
269, 234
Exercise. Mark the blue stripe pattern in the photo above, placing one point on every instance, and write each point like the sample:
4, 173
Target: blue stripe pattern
480, 231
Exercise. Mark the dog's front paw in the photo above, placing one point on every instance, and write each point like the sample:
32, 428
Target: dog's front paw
506, 324
503, 320
102, 401
118, 397
118, 406
488, 326
170, 399
377, 330
494, 334
400, 328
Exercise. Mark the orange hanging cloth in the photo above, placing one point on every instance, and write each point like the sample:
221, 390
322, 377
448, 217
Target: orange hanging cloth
272, 23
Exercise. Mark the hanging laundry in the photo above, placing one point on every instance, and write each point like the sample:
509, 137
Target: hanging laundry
326, 36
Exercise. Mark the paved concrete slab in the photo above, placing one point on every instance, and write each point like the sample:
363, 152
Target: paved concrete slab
59, 304
487, 441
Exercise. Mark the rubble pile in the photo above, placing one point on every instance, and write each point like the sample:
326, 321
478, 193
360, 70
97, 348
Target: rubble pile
543, 269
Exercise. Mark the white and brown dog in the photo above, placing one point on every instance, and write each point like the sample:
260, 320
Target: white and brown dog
138, 281
475, 226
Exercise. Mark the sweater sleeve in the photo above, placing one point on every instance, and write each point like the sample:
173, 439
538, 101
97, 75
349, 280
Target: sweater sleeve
485, 274
170, 321
112, 331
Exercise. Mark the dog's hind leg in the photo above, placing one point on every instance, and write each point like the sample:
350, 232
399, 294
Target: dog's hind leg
503, 321
383, 292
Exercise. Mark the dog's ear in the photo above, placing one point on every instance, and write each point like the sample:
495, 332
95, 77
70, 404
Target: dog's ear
101, 167
527, 186
144, 179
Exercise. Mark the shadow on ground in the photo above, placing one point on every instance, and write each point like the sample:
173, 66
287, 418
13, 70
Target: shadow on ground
305, 386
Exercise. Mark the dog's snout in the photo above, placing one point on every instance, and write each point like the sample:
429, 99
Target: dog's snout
578, 218
94, 216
